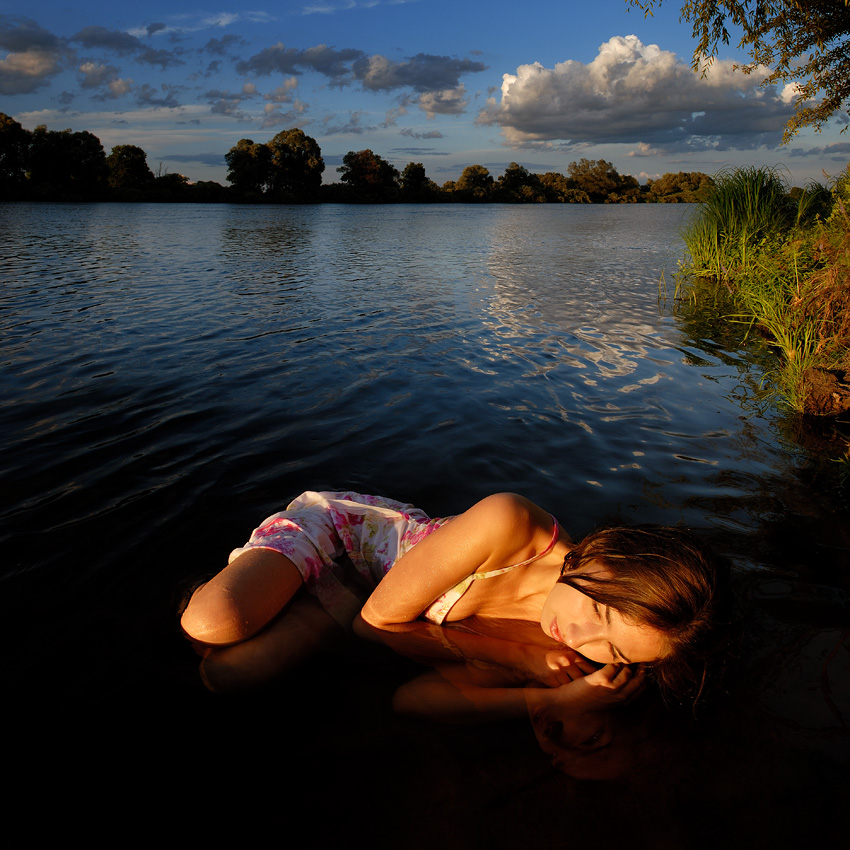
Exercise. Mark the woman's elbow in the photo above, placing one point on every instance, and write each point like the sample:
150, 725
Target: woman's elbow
214, 619
371, 618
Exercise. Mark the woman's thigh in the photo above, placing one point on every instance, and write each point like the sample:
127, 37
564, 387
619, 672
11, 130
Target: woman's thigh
246, 595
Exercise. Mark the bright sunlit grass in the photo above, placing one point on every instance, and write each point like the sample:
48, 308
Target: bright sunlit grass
784, 258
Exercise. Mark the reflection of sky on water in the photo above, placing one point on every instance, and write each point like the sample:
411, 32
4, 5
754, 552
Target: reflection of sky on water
526, 344
173, 374
564, 338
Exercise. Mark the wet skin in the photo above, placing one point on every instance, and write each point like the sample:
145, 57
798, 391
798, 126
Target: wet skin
601, 634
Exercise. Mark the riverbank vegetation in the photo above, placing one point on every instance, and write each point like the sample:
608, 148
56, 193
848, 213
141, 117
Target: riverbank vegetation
49, 165
784, 259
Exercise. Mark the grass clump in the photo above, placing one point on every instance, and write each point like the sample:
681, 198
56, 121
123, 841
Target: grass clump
746, 207
784, 258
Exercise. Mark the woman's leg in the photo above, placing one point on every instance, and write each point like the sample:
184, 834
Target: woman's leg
302, 629
252, 623
246, 595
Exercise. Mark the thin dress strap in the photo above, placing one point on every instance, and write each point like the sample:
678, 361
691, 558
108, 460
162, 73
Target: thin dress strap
546, 551
437, 611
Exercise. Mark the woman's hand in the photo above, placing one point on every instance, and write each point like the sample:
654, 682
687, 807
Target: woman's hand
557, 666
574, 719
596, 691
610, 686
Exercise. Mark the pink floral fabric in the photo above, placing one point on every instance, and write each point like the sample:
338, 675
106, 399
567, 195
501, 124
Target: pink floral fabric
342, 543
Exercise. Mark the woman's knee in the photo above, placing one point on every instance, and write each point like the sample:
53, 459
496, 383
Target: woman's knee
213, 617
242, 598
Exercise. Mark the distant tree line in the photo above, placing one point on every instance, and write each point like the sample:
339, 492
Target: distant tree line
63, 165
51, 165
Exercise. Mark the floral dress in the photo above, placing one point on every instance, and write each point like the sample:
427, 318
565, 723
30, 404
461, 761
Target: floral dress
343, 544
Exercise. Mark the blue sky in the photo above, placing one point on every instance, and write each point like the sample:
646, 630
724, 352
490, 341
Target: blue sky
441, 82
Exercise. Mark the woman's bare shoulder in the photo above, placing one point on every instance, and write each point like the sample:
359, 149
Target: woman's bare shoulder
498, 530
510, 512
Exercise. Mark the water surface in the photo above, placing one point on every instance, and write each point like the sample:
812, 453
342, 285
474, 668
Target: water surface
172, 374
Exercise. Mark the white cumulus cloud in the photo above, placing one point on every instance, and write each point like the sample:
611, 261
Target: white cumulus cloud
25, 72
634, 93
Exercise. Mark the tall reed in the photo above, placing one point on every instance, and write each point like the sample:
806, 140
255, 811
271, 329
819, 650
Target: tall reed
785, 262
746, 207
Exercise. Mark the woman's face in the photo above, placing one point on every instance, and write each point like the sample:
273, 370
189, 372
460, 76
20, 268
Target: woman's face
599, 633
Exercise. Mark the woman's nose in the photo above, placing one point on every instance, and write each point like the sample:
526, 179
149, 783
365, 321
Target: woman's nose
579, 634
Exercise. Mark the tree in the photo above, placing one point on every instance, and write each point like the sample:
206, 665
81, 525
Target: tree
475, 183
14, 155
248, 167
369, 177
415, 185
519, 186
63, 164
558, 190
686, 187
128, 169
805, 43
288, 167
601, 181
170, 186
295, 166
209, 192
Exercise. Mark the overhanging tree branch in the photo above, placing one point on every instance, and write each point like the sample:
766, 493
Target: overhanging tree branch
804, 44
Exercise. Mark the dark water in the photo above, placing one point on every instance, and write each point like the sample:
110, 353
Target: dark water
171, 375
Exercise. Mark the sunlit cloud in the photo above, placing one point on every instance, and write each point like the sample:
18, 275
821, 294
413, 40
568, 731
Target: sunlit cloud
34, 55
446, 102
633, 93
119, 87
218, 69
436, 78
283, 93
95, 75
274, 115
25, 72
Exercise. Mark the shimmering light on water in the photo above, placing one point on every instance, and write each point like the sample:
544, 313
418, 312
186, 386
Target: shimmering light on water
172, 374
154, 353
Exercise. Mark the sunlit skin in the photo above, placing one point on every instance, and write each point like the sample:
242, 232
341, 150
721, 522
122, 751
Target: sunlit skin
252, 624
599, 633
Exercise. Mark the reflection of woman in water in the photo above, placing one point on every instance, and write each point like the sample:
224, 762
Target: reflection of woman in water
610, 607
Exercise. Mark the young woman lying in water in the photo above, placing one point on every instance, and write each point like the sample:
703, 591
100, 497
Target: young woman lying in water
611, 606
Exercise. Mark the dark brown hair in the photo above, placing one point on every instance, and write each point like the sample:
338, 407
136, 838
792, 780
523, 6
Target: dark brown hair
666, 578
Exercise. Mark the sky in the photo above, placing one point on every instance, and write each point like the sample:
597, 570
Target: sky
448, 83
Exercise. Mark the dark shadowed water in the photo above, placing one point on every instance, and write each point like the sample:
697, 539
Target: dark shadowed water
173, 374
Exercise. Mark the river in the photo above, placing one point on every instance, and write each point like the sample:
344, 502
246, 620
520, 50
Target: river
173, 374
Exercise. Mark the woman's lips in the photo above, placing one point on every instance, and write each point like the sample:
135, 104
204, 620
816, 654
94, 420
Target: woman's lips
553, 630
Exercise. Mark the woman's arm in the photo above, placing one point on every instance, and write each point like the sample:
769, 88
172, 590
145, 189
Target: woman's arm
497, 531
521, 660
462, 693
